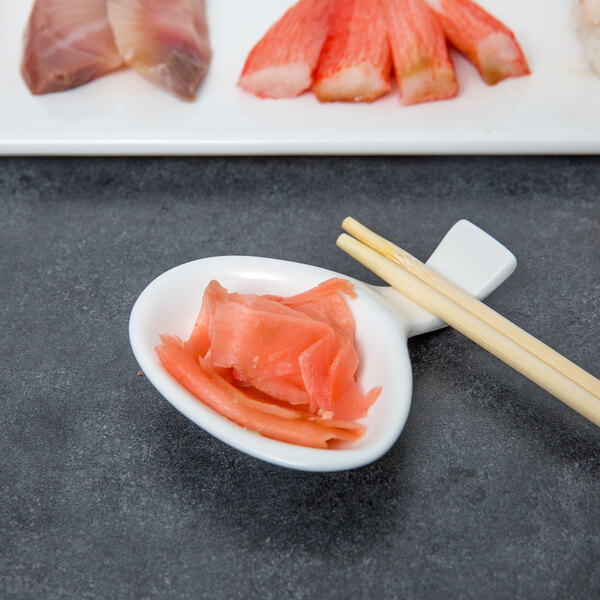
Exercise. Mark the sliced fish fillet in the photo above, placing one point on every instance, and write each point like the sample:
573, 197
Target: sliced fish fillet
166, 41
67, 43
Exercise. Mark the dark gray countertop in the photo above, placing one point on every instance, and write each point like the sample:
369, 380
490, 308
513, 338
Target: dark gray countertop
106, 491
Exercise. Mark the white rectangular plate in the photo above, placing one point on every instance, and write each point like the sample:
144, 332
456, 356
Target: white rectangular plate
553, 111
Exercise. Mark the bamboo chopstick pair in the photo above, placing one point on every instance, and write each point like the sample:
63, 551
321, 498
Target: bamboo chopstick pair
525, 353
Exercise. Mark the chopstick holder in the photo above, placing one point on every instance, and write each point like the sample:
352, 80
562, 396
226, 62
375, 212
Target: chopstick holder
526, 354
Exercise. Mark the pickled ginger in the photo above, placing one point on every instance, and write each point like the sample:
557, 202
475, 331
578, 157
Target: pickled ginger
284, 367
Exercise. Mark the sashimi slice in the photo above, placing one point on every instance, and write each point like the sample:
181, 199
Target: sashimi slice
230, 402
484, 40
67, 44
422, 67
282, 63
355, 63
166, 41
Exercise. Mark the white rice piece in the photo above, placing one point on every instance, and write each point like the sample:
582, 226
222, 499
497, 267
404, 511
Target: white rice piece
587, 18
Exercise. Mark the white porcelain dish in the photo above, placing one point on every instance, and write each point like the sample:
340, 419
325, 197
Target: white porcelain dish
552, 111
384, 321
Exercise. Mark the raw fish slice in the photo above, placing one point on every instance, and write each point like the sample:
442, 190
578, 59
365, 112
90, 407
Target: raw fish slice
484, 40
422, 67
166, 41
355, 63
282, 63
67, 43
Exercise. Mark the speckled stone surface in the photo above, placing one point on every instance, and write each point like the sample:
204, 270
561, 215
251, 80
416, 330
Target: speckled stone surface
492, 491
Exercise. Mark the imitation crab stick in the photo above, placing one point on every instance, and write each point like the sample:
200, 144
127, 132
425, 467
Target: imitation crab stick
484, 40
355, 63
282, 63
422, 67
232, 403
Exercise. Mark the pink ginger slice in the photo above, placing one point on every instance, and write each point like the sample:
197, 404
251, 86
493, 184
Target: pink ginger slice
67, 44
422, 67
484, 40
166, 42
355, 63
298, 349
282, 63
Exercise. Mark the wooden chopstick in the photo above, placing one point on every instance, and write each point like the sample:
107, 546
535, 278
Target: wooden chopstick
481, 310
526, 354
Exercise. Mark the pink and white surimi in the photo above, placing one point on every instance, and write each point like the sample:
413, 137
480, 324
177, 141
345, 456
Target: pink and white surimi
282, 63
356, 62
422, 66
482, 38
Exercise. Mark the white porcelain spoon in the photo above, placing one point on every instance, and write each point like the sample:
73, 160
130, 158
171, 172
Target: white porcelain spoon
385, 319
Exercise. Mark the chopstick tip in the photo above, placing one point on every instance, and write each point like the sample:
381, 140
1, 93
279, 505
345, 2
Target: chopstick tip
339, 242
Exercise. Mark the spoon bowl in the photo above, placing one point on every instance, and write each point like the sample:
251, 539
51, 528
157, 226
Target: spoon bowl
384, 321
